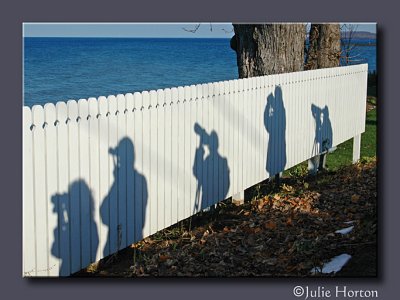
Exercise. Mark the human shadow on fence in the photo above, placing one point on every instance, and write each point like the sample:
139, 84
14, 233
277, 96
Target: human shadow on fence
323, 137
211, 171
76, 237
123, 209
275, 124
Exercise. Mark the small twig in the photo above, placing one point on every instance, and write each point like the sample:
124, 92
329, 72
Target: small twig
192, 30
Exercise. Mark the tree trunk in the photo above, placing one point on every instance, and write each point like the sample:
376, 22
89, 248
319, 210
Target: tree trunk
324, 47
264, 49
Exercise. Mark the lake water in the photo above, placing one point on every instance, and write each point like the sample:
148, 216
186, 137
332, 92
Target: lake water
59, 69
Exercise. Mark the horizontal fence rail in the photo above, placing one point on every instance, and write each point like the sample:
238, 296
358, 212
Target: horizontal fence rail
101, 174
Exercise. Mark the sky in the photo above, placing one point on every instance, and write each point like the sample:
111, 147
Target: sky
173, 30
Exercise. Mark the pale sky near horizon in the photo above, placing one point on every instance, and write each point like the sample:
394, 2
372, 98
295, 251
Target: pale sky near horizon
176, 30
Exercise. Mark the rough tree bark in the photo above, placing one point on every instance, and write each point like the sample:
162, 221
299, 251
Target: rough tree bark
324, 49
264, 49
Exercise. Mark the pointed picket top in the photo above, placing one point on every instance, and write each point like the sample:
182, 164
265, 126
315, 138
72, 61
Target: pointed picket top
27, 117
205, 92
181, 94
160, 98
193, 92
93, 108
72, 110
83, 109
250, 83
153, 99
62, 113
129, 102
50, 114
210, 90
245, 84
121, 103
103, 106
241, 82
236, 84
226, 87
146, 100
231, 87
37, 116
215, 89
199, 91
187, 93
258, 82
112, 104
174, 94
265, 80
137, 101
167, 96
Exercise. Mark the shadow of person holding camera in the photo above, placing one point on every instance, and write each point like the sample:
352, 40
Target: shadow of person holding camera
76, 237
123, 210
211, 171
323, 139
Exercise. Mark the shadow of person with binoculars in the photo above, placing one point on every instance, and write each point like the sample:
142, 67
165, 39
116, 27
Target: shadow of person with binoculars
211, 171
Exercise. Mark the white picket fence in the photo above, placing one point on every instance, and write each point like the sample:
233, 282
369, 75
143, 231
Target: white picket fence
101, 174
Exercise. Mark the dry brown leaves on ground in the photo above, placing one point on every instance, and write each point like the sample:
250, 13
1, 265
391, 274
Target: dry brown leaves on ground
284, 232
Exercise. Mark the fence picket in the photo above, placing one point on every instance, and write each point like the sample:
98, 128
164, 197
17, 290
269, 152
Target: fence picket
104, 176
174, 155
168, 158
51, 184
140, 188
198, 168
62, 197
122, 171
147, 199
160, 153
84, 175
193, 144
29, 255
94, 179
153, 188
41, 204
130, 167
187, 161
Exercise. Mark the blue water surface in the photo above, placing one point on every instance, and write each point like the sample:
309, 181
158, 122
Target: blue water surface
59, 69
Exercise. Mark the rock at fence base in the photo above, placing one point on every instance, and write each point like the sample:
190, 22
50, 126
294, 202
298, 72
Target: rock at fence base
238, 202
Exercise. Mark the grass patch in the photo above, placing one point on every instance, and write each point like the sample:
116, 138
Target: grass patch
344, 154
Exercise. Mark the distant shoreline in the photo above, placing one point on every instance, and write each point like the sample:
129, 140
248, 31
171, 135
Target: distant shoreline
364, 44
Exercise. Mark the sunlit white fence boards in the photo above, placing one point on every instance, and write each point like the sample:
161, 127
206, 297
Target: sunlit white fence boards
101, 174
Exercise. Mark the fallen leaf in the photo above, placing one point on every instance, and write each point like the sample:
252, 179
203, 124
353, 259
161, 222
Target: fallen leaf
163, 258
355, 198
270, 225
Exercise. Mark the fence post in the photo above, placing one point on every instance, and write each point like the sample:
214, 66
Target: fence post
356, 148
238, 198
313, 165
